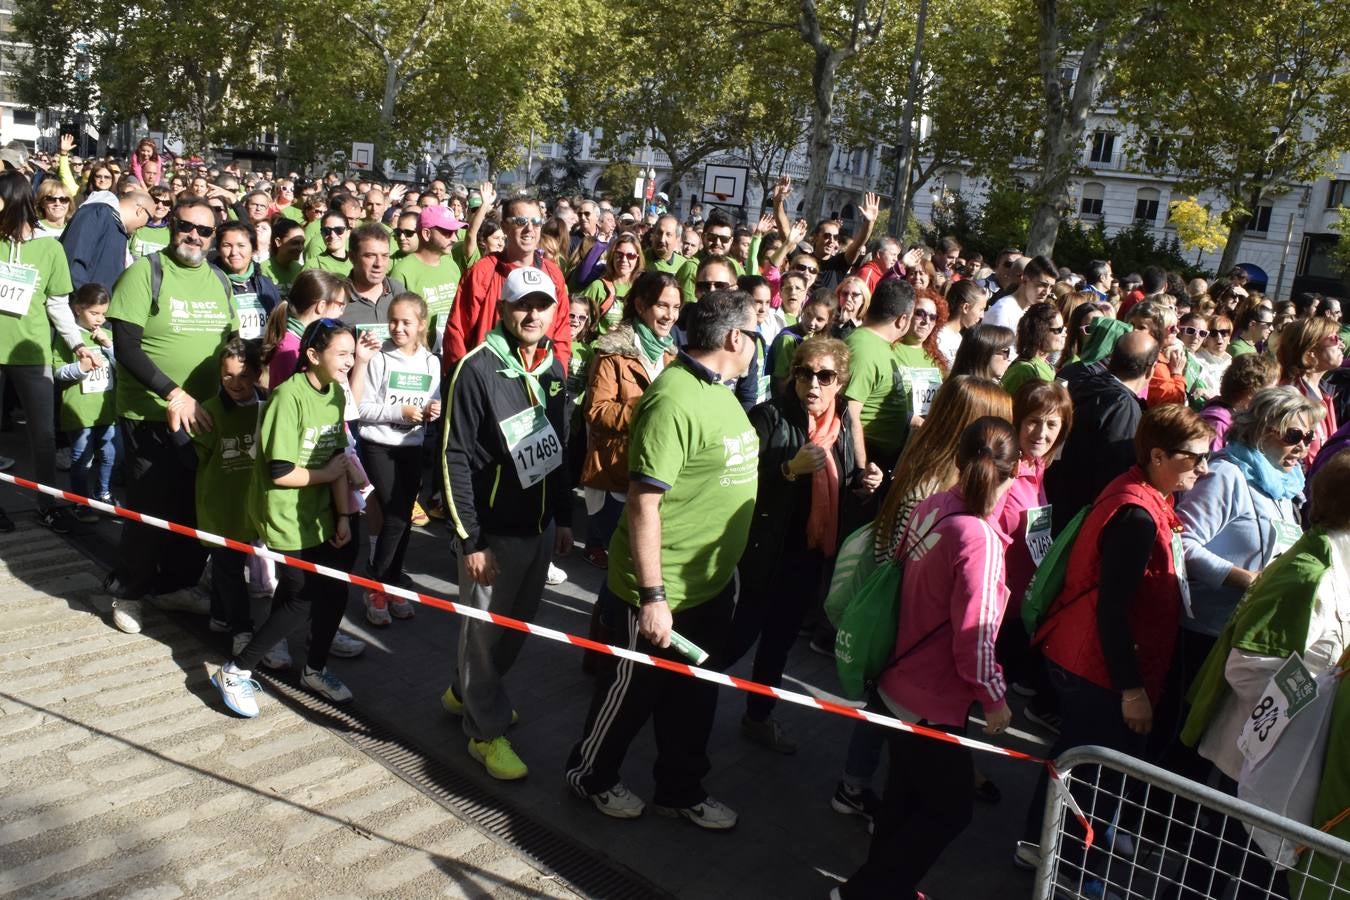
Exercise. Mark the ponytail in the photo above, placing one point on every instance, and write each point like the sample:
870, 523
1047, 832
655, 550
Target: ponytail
986, 456
275, 330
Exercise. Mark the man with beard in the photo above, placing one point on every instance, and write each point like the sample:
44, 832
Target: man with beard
171, 314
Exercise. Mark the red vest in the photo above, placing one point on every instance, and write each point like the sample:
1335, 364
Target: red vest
1069, 635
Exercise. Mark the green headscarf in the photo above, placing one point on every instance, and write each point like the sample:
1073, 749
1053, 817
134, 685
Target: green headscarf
1102, 336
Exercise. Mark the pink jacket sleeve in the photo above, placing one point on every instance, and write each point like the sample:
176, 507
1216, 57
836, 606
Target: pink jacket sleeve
978, 599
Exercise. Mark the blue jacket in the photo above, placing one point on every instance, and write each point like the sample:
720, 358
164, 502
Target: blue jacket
1228, 523
95, 242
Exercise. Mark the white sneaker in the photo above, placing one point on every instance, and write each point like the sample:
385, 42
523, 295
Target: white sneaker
240, 641
279, 657
711, 815
377, 608
126, 616
345, 646
555, 575
619, 803
325, 684
238, 690
400, 608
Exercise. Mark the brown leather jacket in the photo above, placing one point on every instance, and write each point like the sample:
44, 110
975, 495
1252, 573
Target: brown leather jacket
616, 383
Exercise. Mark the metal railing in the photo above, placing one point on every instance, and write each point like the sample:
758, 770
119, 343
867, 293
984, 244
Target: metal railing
1160, 836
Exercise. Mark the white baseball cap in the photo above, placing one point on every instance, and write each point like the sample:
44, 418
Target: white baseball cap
526, 282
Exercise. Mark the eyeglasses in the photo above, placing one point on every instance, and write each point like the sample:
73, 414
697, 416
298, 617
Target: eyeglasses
1191, 329
802, 267
405, 232
829, 235
752, 336
185, 227
331, 230
57, 200
1264, 323
1294, 436
924, 315
825, 377
522, 221
1006, 353
1060, 330
577, 319
631, 257
1197, 458
1221, 332
717, 238
711, 285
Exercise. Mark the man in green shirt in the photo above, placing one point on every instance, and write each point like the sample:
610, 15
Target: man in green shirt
434, 269
663, 254
168, 342
717, 236
877, 406
693, 462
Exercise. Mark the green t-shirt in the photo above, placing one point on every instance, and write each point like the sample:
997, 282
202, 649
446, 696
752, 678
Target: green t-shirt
89, 401
1024, 370
150, 239
689, 274
782, 350
294, 213
670, 266
282, 276
596, 294
436, 285
314, 243
920, 377
302, 426
226, 456
692, 435
182, 334
876, 383
1240, 347
329, 263
30, 273
578, 365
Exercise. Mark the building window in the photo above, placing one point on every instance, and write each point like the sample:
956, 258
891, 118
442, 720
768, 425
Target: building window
1103, 147
1091, 205
1336, 192
1146, 205
1260, 220
25, 117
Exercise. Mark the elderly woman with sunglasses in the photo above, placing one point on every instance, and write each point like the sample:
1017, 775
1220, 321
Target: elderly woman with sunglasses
1244, 512
54, 207
808, 464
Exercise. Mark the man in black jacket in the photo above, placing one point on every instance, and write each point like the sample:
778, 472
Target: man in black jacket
96, 240
1108, 403
508, 497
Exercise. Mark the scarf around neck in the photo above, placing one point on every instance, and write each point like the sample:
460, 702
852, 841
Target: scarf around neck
652, 347
822, 522
242, 279
1261, 474
509, 356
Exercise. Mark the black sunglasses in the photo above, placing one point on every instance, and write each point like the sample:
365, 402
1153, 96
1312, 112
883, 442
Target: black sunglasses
826, 377
333, 229
1198, 458
712, 285
1294, 436
405, 232
184, 227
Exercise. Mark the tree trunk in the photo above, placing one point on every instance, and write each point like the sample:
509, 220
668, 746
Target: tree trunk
1237, 230
1052, 189
822, 113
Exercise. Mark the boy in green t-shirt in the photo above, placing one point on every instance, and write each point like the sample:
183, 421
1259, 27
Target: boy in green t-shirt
88, 414
225, 461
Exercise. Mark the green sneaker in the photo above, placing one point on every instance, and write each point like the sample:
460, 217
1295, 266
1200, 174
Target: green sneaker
455, 706
499, 759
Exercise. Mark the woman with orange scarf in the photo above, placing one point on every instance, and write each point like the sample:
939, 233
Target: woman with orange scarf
807, 463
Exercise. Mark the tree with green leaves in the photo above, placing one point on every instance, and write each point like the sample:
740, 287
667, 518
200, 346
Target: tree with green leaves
1243, 119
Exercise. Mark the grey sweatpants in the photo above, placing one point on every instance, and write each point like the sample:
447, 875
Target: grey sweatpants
487, 651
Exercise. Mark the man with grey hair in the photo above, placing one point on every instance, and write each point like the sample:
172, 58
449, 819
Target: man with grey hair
693, 462
663, 250
171, 315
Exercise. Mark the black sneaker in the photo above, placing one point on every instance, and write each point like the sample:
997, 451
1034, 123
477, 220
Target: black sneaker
1048, 719
860, 802
60, 521
6, 523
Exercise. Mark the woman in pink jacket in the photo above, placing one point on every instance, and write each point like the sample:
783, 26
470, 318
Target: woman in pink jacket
953, 598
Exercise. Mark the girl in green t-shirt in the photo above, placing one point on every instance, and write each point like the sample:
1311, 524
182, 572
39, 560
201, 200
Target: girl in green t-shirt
1040, 336
922, 365
299, 500
623, 264
88, 414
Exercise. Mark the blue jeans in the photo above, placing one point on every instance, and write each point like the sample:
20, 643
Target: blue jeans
92, 449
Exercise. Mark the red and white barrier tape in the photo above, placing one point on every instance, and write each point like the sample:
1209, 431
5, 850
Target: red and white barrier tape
679, 668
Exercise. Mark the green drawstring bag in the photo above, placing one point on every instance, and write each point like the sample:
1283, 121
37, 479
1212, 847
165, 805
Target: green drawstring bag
853, 565
866, 635
1049, 578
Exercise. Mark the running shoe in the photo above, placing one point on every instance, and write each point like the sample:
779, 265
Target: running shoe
345, 646
710, 815
237, 689
377, 609
618, 803
555, 575
498, 757
86, 515
279, 657
60, 521
768, 733
1048, 719
126, 616
597, 556
400, 608
325, 684
855, 801
455, 706
240, 641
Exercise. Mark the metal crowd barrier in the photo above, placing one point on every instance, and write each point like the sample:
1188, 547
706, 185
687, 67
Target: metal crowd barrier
1159, 836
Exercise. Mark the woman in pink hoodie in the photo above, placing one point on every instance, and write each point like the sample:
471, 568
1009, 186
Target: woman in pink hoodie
953, 598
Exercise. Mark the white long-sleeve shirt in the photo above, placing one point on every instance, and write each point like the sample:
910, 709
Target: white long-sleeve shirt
395, 380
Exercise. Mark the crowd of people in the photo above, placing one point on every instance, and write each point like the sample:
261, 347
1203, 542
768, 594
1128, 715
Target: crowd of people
279, 359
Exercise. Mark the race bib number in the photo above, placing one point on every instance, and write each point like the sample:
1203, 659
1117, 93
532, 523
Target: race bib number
380, 330
98, 381
1286, 533
1179, 564
252, 316
1038, 532
923, 385
18, 283
409, 389
1288, 693
533, 445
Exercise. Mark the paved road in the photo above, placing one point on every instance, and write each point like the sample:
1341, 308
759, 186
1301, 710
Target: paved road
120, 776
789, 843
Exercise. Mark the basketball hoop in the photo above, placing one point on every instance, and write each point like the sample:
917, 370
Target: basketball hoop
721, 197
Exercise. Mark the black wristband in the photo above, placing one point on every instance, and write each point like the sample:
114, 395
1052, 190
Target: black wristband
654, 594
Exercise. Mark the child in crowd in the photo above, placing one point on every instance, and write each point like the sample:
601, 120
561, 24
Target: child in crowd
314, 294
88, 413
401, 396
298, 500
